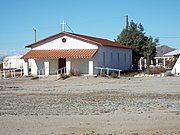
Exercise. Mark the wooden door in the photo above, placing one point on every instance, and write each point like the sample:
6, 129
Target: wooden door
61, 64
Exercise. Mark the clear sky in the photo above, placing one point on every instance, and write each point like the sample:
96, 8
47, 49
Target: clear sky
99, 18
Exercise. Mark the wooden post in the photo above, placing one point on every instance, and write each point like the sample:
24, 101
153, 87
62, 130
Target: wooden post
0, 75
127, 22
4, 74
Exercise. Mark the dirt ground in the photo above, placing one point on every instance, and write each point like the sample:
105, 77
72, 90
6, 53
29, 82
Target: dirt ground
93, 106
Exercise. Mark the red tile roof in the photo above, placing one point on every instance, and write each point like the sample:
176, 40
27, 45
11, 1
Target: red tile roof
89, 39
71, 53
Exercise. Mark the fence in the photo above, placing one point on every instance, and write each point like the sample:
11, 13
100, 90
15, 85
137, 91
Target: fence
11, 72
108, 69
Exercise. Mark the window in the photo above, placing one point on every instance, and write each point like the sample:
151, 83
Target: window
118, 60
104, 59
125, 59
111, 59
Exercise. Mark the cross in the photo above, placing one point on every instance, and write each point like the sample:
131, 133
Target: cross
63, 26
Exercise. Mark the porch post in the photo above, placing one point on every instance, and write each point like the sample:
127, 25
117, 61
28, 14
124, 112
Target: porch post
68, 66
145, 64
46, 66
157, 62
164, 62
90, 67
140, 63
26, 67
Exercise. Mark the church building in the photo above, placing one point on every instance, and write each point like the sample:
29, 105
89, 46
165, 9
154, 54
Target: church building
75, 52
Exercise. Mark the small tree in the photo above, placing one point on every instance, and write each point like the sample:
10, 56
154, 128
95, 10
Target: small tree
150, 51
134, 36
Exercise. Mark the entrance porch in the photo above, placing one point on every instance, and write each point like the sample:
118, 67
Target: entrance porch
49, 62
57, 66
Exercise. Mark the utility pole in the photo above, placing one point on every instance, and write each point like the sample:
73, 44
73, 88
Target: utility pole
127, 24
34, 35
63, 26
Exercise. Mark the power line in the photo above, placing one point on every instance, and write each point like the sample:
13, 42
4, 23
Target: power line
70, 28
168, 37
164, 37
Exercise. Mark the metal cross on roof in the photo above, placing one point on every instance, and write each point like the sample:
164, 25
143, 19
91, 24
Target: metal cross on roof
63, 26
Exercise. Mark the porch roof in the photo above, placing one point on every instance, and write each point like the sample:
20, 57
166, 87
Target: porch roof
68, 53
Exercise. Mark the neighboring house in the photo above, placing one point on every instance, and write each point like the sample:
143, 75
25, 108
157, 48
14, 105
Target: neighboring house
13, 62
176, 68
172, 53
76, 52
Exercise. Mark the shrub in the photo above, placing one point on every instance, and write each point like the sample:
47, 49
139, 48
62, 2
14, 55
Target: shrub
103, 74
156, 70
74, 73
63, 76
114, 75
169, 74
77, 73
71, 72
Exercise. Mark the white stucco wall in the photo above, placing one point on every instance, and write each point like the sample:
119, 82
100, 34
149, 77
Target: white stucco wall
118, 58
13, 62
40, 66
80, 65
176, 68
33, 66
70, 43
53, 66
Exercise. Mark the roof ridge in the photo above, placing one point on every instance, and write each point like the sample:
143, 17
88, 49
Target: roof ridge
79, 36
85, 38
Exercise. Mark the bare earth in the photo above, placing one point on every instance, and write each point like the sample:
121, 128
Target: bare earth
94, 106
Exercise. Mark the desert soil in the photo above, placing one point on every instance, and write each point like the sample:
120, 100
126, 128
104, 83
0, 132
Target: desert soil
93, 106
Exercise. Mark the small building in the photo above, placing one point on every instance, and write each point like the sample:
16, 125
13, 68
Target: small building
13, 62
176, 67
75, 52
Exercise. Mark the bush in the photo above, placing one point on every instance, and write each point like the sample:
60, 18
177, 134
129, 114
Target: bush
74, 73
103, 74
169, 74
71, 72
156, 70
77, 73
114, 75
1, 66
63, 76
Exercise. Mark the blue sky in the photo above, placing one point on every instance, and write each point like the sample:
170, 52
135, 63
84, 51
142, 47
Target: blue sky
99, 18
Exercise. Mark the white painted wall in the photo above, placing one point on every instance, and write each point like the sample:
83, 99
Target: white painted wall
34, 67
68, 66
81, 65
118, 58
40, 66
176, 68
46, 67
13, 62
91, 67
26, 67
53, 66
70, 43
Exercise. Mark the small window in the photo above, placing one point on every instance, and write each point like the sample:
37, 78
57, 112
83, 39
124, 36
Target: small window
111, 59
118, 60
64, 40
124, 59
104, 59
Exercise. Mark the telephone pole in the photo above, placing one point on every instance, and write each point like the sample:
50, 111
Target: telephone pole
127, 23
34, 35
